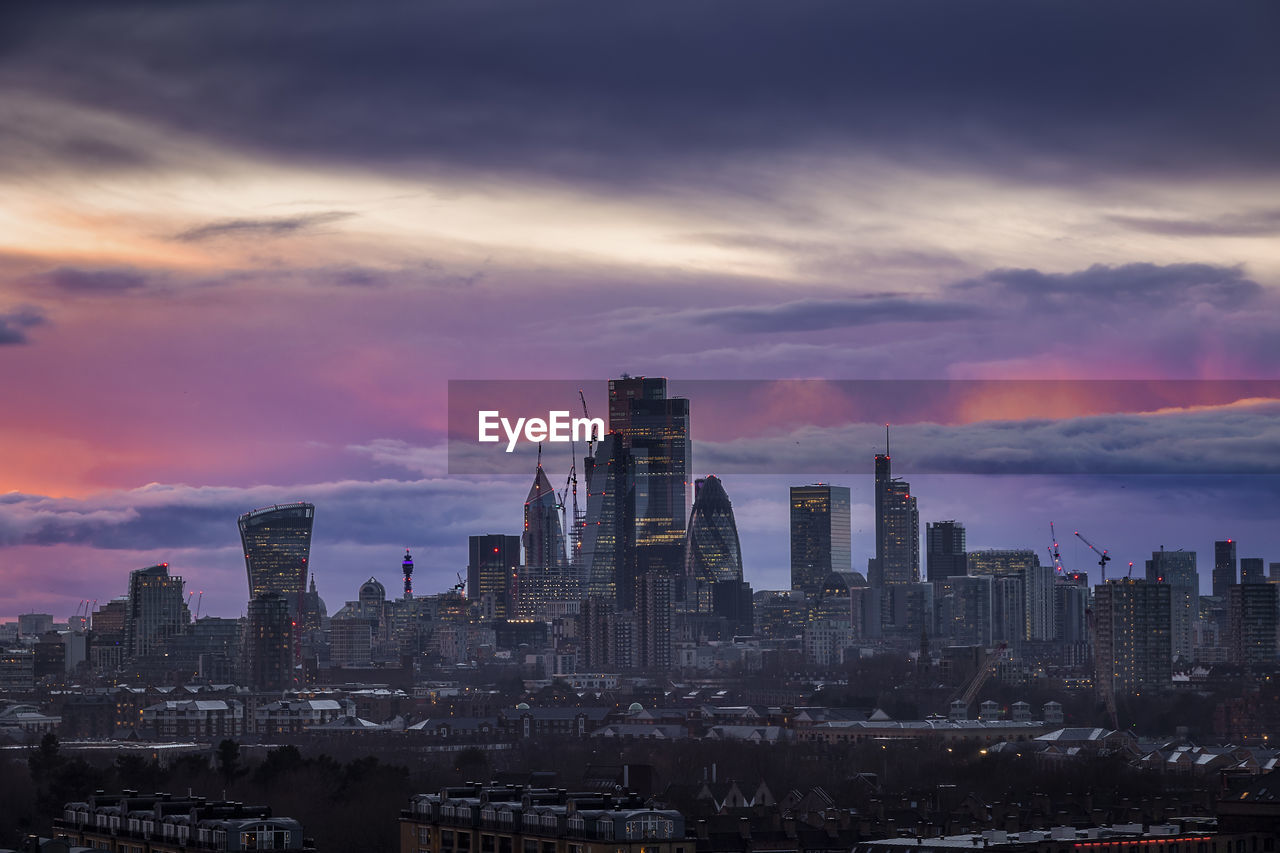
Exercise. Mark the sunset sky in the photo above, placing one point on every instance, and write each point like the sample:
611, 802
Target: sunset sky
245, 246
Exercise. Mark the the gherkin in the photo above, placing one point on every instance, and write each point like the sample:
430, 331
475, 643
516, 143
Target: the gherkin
712, 552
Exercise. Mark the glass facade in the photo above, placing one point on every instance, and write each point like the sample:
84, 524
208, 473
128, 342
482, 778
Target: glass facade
712, 550
277, 545
820, 539
654, 430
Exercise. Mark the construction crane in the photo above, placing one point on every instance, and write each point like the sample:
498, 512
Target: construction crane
571, 489
591, 442
980, 677
199, 603
1103, 680
1103, 556
1054, 556
461, 584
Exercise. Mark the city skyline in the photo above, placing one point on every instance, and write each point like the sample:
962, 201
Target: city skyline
236, 276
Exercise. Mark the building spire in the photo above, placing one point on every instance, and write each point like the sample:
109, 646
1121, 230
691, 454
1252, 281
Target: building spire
886, 439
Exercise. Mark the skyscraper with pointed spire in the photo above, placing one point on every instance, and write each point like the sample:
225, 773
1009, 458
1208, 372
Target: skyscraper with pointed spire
543, 536
897, 560
545, 576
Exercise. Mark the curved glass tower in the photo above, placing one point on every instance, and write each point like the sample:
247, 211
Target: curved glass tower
277, 544
712, 552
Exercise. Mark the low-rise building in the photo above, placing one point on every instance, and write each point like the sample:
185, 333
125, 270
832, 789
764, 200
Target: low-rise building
161, 823
520, 819
194, 719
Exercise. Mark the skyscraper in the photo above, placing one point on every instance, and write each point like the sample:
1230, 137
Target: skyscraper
543, 536
545, 576
654, 429
820, 539
712, 552
1224, 566
277, 545
608, 559
897, 560
1131, 635
945, 553
1252, 570
492, 563
156, 609
269, 643
1178, 570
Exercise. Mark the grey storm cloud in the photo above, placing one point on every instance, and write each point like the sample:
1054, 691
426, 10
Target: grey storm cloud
103, 281
1170, 284
816, 314
1223, 440
618, 92
1261, 223
279, 226
14, 325
429, 513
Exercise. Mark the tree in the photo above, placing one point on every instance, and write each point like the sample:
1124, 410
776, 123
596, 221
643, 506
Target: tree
228, 760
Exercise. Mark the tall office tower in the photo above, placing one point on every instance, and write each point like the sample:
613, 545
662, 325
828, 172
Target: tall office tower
897, 560
944, 550
608, 559
1252, 621
820, 541
1251, 570
1178, 570
712, 554
654, 429
545, 575
277, 545
156, 609
655, 604
1008, 609
1224, 566
268, 646
492, 563
1274, 575
543, 536
1131, 635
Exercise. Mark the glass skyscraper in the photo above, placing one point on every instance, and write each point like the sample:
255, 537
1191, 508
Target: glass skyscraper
712, 551
277, 545
896, 566
945, 554
607, 555
820, 539
654, 429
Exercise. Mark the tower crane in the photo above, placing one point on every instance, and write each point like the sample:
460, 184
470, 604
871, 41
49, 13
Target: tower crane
1053, 551
1103, 556
591, 442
